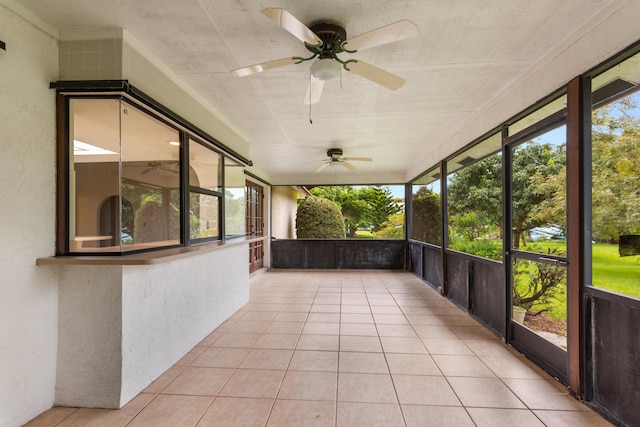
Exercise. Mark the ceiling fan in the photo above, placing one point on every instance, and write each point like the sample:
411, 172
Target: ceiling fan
325, 41
170, 166
335, 158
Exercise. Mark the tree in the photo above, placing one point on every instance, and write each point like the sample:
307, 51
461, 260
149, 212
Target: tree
362, 207
616, 170
319, 218
426, 219
393, 228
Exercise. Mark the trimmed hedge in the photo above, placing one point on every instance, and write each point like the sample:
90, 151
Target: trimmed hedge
319, 218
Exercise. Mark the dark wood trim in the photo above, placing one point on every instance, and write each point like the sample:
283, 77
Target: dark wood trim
576, 227
62, 175
444, 225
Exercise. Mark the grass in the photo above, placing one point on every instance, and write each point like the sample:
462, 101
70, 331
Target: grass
613, 272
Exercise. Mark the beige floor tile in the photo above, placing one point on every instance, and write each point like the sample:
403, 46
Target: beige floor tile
310, 360
51, 417
307, 385
513, 367
360, 343
434, 331
396, 331
492, 417
199, 381
390, 319
236, 340
473, 333
323, 328
171, 410
357, 318
249, 326
237, 412
368, 414
490, 348
436, 416
355, 301
462, 366
221, 357
253, 383
327, 300
355, 309
297, 413
446, 346
259, 315
362, 329
412, 364
164, 380
88, 417
385, 309
261, 358
571, 418
543, 394
374, 363
264, 305
285, 316
425, 319
210, 339
424, 390
295, 308
192, 355
484, 392
318, 342
367, 388
402, 345
324, 317
417, 310
382, 301
284, 328
277, 341
325, 308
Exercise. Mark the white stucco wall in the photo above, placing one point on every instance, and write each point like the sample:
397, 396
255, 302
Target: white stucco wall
283, 212
28, 294
121, 327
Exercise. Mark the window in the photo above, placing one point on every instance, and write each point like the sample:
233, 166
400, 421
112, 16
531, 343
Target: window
128, 189
234, 195
124, 189
474, 199
426, 217
615, 172
205, 192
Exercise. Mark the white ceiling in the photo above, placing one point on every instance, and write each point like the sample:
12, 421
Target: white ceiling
468, 54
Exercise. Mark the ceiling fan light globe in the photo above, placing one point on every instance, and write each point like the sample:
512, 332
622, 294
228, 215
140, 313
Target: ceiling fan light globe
326, 69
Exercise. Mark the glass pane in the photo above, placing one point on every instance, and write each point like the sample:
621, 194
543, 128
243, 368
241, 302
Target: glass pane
204, 216
426, 220
94, 184
150, 181
539, 193
204, 167
474, 203
540, 291
234, 199
615, 172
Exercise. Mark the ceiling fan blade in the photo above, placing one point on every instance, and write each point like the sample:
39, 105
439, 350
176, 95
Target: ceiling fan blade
359, 159
314, 90
290, 23
348, 165
375, 74
258, 68
322, 166
389, 33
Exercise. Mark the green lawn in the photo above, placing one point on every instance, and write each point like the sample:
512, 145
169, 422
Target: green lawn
615, 273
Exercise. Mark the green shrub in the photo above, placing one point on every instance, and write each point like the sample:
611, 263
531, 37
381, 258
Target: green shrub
491, 249
319, 218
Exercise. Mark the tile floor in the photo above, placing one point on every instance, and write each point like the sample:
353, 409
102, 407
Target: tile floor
348, 348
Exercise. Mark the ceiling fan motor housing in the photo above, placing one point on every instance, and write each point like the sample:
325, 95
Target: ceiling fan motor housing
334, 153
332, 36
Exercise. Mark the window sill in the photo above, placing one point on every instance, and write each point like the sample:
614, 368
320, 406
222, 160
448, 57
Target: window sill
146, 258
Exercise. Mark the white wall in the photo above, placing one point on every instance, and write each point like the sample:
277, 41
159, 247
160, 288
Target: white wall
283, 212
28, 294
121, 327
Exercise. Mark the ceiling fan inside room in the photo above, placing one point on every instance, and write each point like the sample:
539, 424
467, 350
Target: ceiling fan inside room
325, 41
335, 158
